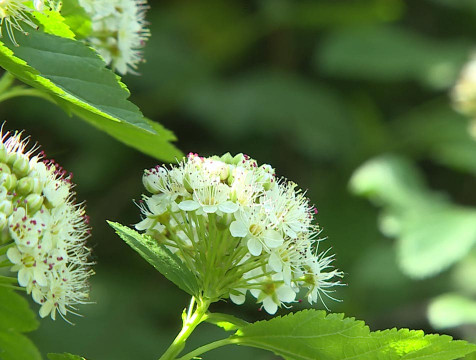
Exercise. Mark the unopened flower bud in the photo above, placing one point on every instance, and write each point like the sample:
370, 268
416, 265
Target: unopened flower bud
6, 207
25, 186
33, 203
21, 166
3, 154
9, 181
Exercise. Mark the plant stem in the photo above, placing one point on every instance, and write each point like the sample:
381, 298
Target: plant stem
192, 320
208, 347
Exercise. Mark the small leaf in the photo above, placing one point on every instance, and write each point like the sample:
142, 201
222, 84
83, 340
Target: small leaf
14, 346
451, 310
76, 18
64, 356
167, 263
15, 314
53, 23
311, 334
225, 321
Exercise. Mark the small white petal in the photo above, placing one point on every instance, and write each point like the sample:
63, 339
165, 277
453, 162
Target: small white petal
144, 224
238, 229
228, 207
46, 308
24, 277
37, 295
210, 209
238, 299
275, 262
14, 255
255, 247
270, 306
272, 238
255, 292
40, 277
285, 294
189, 205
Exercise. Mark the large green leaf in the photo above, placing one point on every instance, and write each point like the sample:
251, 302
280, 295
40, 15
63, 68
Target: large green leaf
391, 54
64, 356
77, 80
432, 232
15, 314
72, 71
311, 334
167, 263
14, 346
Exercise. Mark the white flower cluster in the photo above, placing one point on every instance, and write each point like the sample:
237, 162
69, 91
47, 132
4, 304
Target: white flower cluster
238, 229
15, 12
118, 31
43, 229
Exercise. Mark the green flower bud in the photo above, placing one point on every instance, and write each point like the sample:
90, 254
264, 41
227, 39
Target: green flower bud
6, 207
21, 166
3, 221
9, 181
5, 236
3, 154
4, 168
25, 186
33, 203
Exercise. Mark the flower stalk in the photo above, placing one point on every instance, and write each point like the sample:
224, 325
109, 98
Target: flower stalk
196, 314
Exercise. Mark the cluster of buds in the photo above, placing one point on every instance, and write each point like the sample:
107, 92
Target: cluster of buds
238, 229
42, 230
118, 31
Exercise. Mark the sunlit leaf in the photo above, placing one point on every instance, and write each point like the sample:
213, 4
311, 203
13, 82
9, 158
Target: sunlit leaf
451, 310
15, 313
14, 346
64, 356
225, 321
312, 334
432, 232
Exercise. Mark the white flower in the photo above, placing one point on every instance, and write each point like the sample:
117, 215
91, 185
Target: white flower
255, 227
47, 231
464, 91
238, 229
118, 31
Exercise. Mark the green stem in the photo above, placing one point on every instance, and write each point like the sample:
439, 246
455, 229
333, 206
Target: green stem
6, 81
21, 91
208, 347
192, 320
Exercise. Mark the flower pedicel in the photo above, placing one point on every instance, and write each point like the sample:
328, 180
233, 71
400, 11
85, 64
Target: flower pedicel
238, 229
43, 230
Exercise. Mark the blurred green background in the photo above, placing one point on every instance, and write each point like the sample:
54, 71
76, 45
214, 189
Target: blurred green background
326, 92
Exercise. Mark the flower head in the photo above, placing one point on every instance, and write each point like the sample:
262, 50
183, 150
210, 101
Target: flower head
15, 12
118, 31
239, 229
43, 228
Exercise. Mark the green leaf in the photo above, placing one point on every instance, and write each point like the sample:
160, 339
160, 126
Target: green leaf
76, 18
15, 314
225, 321
77, 80
311, 334
391, 54
14, 346
451, 310
65, 356
157, 145
53, 23
71, 71
167, 263
432, 232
